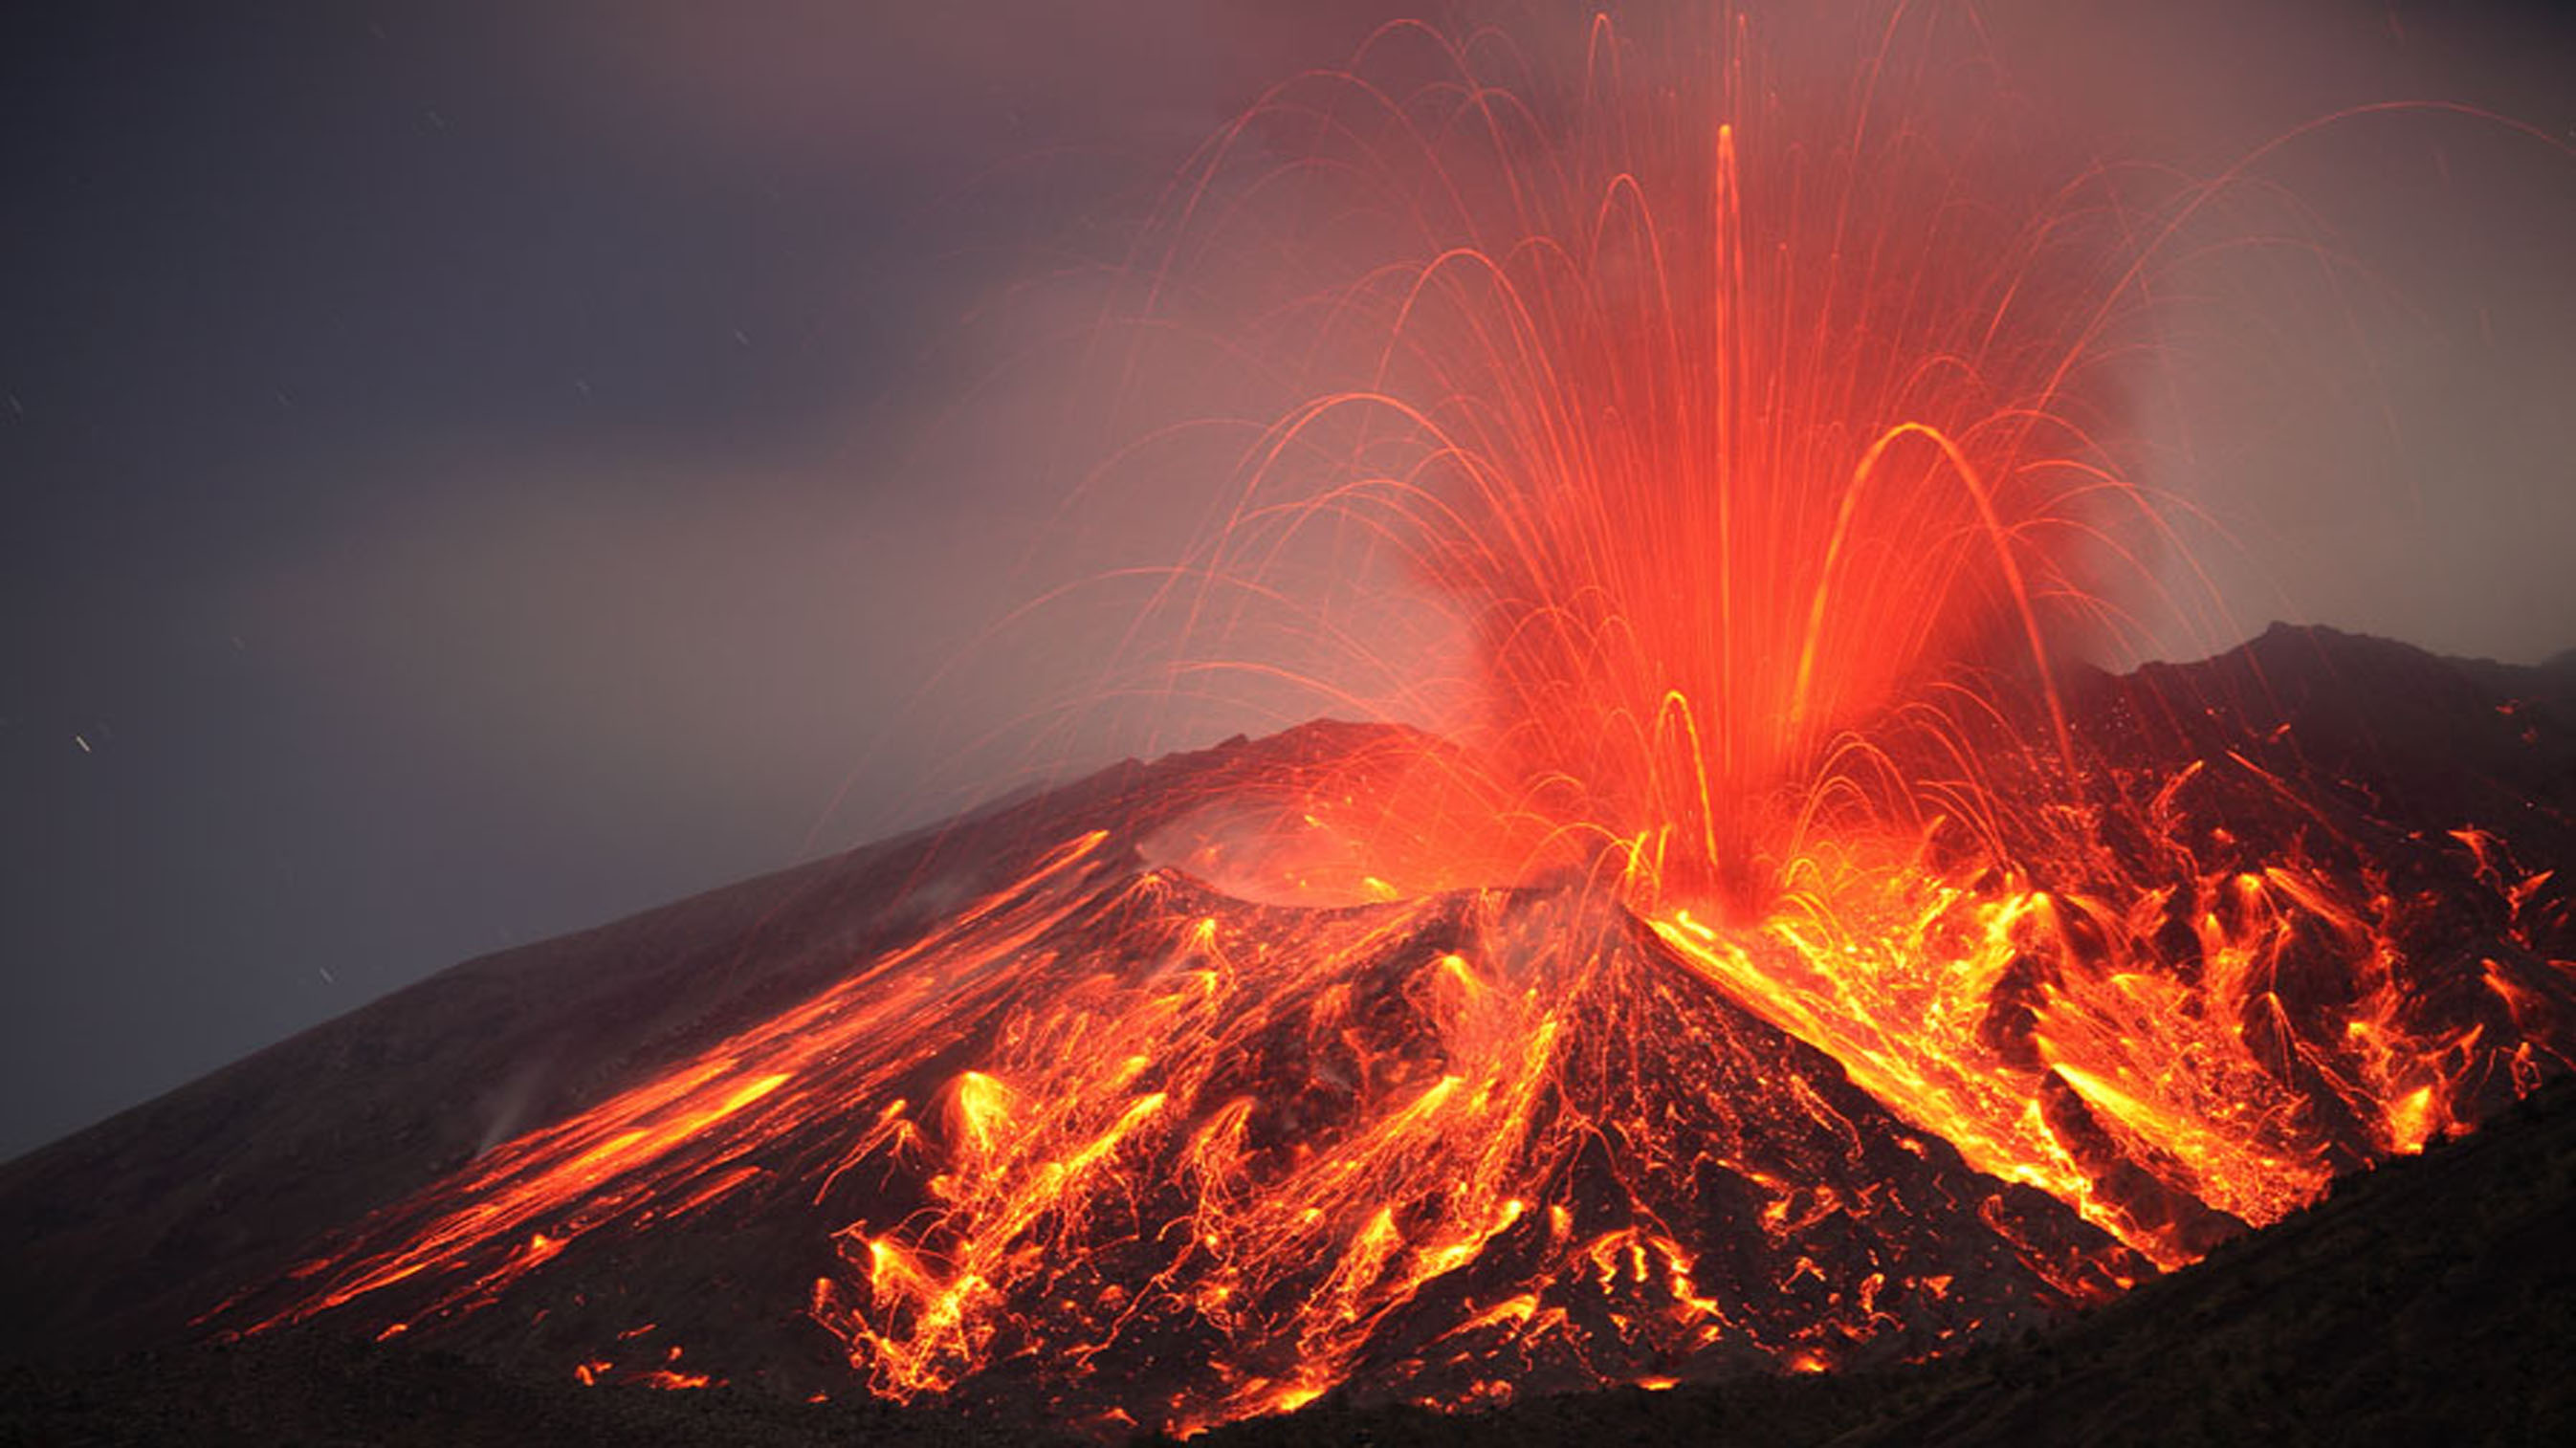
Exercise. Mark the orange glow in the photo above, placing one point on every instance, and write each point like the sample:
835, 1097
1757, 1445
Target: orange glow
1772, 974
673, 1381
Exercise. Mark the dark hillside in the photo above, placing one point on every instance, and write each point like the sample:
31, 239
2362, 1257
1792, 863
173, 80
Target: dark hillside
2430, 1301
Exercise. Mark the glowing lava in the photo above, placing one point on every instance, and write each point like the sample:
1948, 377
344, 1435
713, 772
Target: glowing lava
1786, 967
1213, 1159
1753, 434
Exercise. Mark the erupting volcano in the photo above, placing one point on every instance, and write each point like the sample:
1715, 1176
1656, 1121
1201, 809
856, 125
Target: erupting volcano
1787, 956
1105, 1141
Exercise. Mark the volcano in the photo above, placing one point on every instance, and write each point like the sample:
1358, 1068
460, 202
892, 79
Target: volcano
1139, 1103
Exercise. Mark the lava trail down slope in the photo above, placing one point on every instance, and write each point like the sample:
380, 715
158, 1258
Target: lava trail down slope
1139, 1103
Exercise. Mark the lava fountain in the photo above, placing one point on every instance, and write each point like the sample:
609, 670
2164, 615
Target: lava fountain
1790, 962
1753, 435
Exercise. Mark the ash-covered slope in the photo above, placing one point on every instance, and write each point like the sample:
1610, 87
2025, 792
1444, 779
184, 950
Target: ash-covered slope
1110, 1148
1009, 1118
2310, 904
116, 1237
2431, 1300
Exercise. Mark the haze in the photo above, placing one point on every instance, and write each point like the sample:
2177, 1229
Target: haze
475, 473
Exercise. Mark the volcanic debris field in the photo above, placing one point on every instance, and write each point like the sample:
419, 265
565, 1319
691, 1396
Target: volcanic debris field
2432, 1300
1031, 1125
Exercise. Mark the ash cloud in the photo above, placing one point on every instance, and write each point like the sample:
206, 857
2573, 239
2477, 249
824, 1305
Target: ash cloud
2365, 333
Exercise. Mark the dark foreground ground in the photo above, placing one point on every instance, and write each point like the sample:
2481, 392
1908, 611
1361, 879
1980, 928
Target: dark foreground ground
2430, 1301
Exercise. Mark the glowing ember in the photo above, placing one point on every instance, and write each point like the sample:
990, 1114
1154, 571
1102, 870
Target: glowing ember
1786, 968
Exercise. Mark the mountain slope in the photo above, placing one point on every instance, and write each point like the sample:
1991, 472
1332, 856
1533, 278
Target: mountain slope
119, 1235
2432, 1300
1082, 1111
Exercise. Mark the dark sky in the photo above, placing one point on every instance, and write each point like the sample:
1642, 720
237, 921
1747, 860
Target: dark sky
473, 471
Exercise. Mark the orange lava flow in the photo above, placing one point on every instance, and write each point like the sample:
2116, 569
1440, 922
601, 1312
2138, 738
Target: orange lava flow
1772, 974
1765, 442
1262, 1143
1992, 1020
